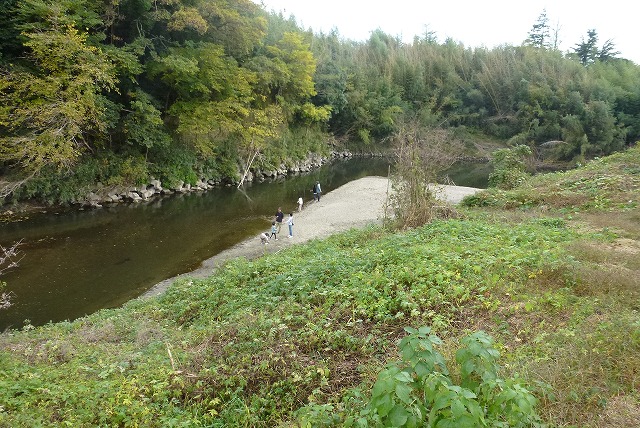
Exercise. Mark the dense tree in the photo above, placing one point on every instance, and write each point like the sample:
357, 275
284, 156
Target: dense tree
52, 115
331, 72
587, 52
11, 47
179, 87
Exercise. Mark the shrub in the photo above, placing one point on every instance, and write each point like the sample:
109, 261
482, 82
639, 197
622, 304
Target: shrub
420, 157
419, 390
508, 167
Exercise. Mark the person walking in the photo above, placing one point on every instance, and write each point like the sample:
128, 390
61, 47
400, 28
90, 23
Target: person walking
290, 224
274, 231
279, 218
317, 191
300, 202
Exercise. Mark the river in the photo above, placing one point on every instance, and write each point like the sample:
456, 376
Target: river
77, 262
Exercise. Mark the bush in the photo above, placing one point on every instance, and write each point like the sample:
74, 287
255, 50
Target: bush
419, 390
508, 167
421, 155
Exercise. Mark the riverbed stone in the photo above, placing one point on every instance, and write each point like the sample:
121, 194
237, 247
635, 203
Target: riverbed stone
134, 196
146, 194
93, 198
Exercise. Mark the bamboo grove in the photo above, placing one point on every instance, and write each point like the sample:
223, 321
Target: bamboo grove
117, 91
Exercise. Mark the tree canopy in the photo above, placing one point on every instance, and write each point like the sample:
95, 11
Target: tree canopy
182, 88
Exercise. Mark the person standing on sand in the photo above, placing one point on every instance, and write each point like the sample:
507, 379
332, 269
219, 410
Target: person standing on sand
274, 230
317, 191
279, 218
300, 202
290, 224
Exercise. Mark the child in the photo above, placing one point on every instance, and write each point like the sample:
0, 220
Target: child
274, 230
290, 224
264, 238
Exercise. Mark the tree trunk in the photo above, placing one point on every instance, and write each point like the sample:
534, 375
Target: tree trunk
249, 163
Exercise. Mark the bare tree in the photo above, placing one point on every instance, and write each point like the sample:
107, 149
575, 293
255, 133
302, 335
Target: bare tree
9, 259
422, 154
8, 187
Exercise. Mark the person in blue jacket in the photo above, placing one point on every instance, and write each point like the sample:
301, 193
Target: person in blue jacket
317, 191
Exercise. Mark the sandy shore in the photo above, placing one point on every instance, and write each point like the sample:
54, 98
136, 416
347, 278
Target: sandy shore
354, 205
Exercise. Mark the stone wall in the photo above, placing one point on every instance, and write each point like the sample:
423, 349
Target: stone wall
99, 197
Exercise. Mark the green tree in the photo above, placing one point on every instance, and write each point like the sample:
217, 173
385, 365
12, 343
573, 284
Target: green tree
601, 129
292, 55
509, 168
238, 25
331, 72
260, 126
540, 34
587, 52
11, 47
143, 125
608, 51
52, 115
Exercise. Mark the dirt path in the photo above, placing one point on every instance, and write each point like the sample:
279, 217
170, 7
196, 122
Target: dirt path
354, 205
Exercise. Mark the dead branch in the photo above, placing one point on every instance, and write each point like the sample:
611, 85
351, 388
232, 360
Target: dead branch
9, 257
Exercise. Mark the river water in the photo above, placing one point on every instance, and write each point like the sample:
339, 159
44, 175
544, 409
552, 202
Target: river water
77, 262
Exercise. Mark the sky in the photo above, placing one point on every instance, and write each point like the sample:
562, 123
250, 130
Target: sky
474, 23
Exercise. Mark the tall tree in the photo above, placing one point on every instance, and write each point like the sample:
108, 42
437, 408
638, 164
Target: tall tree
540, 34
608, 51
587, 50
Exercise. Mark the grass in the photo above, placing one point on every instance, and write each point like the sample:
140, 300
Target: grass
549, 270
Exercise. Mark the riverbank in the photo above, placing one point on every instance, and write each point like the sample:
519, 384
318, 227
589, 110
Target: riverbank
353, 205
545, 278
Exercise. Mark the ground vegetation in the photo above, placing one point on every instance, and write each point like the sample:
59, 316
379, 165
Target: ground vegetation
522, 311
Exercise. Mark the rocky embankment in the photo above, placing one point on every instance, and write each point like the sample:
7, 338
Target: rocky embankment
100, 196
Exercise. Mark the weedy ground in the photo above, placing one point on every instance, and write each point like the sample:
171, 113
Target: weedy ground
550, 270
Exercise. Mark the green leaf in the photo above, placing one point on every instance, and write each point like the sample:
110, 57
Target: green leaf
384, 405
398, 416
404, 393
422, 369
403, 377
411, 330
424, 330
457, 408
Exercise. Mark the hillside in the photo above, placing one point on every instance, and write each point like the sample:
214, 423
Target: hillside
549, 271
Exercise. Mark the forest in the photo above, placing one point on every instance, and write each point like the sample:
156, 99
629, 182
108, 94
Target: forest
119, 91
